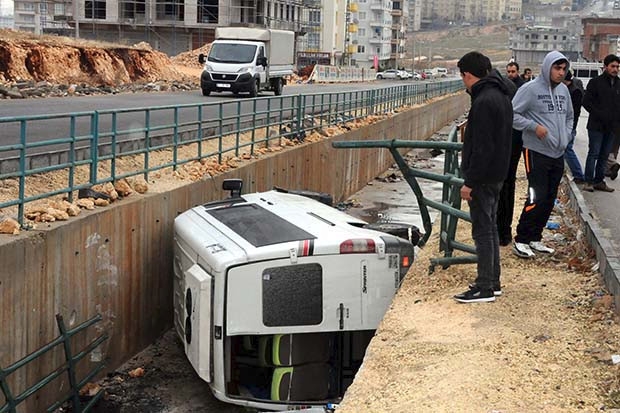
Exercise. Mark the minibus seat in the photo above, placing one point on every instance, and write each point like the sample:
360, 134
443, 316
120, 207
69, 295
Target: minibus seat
294, 349
307, 382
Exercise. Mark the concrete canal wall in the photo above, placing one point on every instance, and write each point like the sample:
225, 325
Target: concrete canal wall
117, 261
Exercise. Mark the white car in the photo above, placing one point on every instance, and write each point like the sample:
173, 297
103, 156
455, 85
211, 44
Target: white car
390, 74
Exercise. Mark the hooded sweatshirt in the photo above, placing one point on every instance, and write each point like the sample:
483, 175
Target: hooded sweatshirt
488, 135
539, 103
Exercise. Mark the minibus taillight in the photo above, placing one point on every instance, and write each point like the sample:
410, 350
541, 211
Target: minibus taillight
405, 262
357, 246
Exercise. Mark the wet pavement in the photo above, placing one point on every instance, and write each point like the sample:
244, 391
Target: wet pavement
389, 198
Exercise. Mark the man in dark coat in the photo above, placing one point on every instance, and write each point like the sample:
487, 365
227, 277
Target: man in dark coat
506, 205
485, 158
602, 101
575, 87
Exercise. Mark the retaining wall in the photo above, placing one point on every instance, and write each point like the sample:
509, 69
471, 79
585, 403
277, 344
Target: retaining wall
117, 261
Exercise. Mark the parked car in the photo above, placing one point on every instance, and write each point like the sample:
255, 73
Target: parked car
405, 75
389, 74
416, 76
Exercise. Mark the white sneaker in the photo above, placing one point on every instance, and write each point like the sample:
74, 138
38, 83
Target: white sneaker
522, 250
540, 247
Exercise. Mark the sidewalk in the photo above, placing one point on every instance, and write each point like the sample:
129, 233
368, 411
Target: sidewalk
546, 345
601, 213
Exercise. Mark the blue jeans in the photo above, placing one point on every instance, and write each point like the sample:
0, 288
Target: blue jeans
571, 159
483, 212
599, 146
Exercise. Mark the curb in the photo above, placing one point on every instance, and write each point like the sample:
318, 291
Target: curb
608, 258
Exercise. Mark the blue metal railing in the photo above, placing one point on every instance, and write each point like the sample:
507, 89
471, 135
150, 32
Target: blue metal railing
86, 148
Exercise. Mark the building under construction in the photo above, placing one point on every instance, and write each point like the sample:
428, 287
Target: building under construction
172, 26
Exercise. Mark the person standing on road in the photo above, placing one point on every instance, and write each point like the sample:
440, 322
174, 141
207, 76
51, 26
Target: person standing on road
544, 113
575, 88
527, 74
506, 205
485, 158
602, 101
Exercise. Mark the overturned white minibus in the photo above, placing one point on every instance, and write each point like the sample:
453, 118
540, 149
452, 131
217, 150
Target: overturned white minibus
277, 296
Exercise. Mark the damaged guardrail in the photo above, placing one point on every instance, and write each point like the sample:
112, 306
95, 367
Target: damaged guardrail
450, 205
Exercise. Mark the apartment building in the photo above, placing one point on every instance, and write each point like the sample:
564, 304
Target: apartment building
531, 44
471, 11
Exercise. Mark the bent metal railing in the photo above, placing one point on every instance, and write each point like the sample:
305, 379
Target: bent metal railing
85, 147
72, 358
450, 205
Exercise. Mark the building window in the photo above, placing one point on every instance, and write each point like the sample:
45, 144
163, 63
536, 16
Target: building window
27, 6
361, 32
42, 7
129, 9
362, 15
361, 49
59, 9
208, 11
170, 10
94, 9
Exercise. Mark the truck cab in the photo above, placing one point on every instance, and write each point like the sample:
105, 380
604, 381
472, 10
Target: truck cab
277, 296
247, 60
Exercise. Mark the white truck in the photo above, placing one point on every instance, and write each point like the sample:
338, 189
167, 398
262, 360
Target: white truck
247, 60
277, 296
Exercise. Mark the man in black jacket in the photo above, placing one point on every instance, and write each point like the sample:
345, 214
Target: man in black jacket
602, 101
485, 159
506, 205
575, 87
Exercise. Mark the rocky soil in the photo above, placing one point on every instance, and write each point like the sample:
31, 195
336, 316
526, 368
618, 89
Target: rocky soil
40, 66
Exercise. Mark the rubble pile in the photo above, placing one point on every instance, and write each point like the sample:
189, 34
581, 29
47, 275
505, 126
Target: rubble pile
190, 58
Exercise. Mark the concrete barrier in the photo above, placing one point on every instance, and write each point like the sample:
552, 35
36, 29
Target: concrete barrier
117, 261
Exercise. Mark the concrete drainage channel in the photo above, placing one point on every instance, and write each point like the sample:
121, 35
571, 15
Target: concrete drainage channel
161, 380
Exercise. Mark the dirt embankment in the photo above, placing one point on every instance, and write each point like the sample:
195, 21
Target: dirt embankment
61, 60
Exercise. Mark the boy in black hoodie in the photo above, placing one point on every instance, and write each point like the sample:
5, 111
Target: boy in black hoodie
485, 160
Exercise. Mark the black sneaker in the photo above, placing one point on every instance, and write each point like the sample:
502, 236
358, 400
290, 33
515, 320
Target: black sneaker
497, 289
475, 295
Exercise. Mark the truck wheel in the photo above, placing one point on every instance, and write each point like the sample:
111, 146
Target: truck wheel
206, 92
254, 89
277, 87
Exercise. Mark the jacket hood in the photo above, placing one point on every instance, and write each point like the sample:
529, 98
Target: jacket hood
493, 79
550, 59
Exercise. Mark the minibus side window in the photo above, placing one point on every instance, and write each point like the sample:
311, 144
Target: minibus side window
293, 295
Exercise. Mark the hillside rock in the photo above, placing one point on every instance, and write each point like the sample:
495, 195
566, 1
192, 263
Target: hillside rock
55, 60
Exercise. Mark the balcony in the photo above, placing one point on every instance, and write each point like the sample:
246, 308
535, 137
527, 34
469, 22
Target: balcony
379, 5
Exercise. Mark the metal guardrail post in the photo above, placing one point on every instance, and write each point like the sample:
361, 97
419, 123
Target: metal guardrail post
175, 139
22, 167
238, 127
299, 117
94, 146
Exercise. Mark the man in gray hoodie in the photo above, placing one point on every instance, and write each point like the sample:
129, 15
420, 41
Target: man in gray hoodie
544, 112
